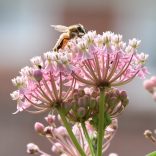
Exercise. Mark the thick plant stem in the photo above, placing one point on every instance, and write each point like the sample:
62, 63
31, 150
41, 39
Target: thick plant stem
100, 123
72, 136
88, 138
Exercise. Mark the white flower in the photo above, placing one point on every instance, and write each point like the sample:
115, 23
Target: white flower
19, 81
142, 58
36, 61
15, 95
82, 45
134, 43
89, 37
48, 56
26, 71
117, 38
122, 45
107, 37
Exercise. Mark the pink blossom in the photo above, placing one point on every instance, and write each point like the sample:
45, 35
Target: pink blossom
42, 87
103, 61
39, 128
150, 84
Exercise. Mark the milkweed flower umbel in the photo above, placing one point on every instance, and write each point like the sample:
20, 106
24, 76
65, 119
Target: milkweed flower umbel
78, 82
60, 140
105, 60
42, 86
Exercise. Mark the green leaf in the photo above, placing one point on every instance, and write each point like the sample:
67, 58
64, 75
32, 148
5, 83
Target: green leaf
152, 154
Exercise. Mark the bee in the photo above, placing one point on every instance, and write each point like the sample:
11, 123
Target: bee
68, 33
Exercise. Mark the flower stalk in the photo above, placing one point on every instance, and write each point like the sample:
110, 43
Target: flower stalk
69, 130
88, 139
101, 122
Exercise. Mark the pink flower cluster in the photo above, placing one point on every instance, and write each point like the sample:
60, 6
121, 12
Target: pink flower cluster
95, 60
42, 86
105, 60
61, 142
75, 82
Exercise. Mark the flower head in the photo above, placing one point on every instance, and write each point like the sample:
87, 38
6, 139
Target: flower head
84, 104
105, 61
62, 143
42, 86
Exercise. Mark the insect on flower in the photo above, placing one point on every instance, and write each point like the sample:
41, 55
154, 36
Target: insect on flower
68, 33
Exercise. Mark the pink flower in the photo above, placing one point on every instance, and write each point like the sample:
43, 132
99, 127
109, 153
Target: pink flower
42, 87
104, 60
63, 139
150, 86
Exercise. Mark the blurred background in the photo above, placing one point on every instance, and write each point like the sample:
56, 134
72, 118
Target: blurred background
25, 32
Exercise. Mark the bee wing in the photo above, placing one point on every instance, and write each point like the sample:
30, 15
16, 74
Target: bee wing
60, 28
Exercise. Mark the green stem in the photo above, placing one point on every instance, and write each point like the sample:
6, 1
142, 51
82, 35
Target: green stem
100, 123
88, 138
70, 132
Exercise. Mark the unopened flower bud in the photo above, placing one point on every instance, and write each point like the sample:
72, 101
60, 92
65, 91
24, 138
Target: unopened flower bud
123, 94
39, 128
68, 106
81, 92
93, 102
74, 105
113, 100
81, 102
153, 79
116, 92
75, 96
148, 85
81, 112
38, 75
50, 119
60, 131
95, 93
125, 102
57, 148
147, 133
32, 148
86, 99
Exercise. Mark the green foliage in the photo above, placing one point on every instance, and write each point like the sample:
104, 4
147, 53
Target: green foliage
107, 121
152, 154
